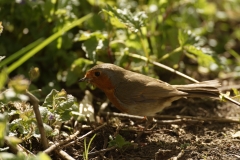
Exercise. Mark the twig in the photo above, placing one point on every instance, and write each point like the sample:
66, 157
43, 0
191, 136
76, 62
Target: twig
122, 115
160, 153
170, 54
64, 155
85, 135
23, 149
162, 66
204, 119
178, 121
61, 153
18, 148
178, 118
15, 149
178, 156
71, 139
35, 102
92, 131
58, 144
230, 99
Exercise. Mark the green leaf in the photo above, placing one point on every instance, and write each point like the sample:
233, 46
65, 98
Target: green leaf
19, 84
125, 19
187, 37
182, 37
48, 9
67, 104
93, 42
44, 113
235, 91
205, 7
202, 58
235, 55
50, 99
119, 141
90, 47
61, 104
48, 129
66, 107
83, 35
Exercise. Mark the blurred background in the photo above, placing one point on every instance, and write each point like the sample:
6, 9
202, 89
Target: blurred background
51, 44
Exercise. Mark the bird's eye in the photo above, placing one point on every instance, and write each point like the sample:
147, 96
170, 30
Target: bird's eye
97, 74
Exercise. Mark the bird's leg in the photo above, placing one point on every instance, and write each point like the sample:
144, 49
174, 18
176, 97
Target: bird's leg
149, 122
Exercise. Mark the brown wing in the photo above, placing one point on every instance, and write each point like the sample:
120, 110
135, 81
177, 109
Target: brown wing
139, 88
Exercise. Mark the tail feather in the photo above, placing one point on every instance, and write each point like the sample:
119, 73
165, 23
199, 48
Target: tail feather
205, 88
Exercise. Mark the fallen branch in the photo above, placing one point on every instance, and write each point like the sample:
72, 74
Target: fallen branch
71, 140
18, 148
64, 155
178, 119
92, 131
179, 155
61, 143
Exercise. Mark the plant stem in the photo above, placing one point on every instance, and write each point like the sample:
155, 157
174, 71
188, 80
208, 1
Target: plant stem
162, 66
143, 44
171, 53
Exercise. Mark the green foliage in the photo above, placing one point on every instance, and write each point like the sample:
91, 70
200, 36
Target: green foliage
125, 19
119, 142
60, 104
23, 121
165, 31
57, 108
87, 147
19, 84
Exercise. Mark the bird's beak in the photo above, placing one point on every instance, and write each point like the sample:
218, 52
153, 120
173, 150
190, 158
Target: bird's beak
84, 79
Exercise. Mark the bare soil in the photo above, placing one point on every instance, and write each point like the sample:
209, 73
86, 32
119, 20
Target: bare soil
170, 139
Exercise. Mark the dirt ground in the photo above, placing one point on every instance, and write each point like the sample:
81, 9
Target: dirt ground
179, 138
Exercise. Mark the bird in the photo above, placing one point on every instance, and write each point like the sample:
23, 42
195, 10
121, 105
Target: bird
137, 94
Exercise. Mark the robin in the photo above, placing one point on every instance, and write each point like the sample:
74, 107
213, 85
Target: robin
138, 94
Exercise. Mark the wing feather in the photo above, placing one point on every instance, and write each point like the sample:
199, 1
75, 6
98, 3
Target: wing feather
138, 88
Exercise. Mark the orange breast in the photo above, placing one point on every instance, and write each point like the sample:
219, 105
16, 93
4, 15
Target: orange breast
114, 100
